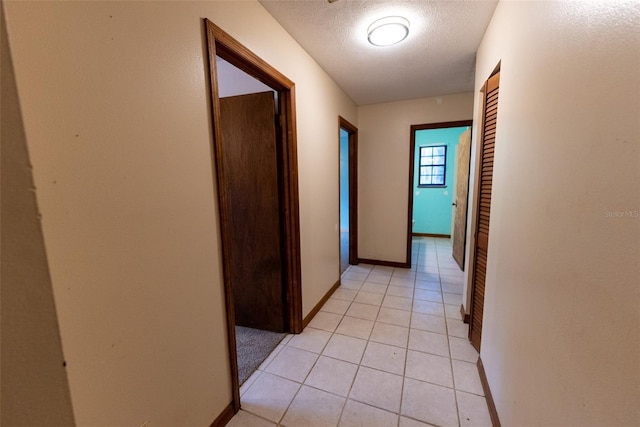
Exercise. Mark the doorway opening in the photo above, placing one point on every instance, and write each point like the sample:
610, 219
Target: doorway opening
439, 182
254, 148
348, 137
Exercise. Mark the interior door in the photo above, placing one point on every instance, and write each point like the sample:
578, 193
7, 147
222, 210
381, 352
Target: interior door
485, 185
249, 145
459, 234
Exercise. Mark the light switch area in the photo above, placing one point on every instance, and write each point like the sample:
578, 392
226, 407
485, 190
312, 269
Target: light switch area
417, 192
336, 227
445, 192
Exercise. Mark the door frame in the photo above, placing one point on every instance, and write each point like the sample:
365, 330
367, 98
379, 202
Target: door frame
412, 158
220, 43
352, 131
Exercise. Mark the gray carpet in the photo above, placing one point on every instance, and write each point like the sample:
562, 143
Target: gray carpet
253, 346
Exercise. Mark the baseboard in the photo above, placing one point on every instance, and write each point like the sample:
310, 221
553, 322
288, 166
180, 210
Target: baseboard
224, 417
495, 421
319, 305
384, 263
445, 236
465, 317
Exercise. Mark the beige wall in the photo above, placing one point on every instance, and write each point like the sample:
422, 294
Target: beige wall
383, 168
560, 341
117, 126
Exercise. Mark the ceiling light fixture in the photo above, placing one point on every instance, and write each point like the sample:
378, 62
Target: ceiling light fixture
388, 31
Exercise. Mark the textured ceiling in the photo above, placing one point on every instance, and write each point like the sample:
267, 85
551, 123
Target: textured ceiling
438, 57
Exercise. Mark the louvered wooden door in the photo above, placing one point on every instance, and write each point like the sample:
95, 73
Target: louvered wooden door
485, 181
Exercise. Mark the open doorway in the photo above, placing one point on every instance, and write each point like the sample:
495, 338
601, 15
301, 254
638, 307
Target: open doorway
348, 137
254, 147
438, 179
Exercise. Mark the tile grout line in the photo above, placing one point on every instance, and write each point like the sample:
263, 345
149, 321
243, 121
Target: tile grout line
446, 325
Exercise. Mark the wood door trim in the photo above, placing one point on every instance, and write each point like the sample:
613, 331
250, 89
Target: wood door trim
491, 404
220, 43
412, 158
353, 186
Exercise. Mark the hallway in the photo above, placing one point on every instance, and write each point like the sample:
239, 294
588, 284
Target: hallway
387, 349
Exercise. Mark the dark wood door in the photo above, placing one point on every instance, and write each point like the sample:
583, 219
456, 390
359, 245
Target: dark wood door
459, 234
485, 185
250, 168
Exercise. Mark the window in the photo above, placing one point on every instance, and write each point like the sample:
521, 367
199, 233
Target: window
433, 164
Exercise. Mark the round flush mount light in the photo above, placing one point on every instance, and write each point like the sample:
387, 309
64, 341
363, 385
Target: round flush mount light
388, 31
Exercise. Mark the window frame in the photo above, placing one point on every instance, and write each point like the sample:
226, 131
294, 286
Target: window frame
444, 165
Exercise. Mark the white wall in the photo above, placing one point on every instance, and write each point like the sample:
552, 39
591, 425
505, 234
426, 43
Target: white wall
117, 122
560, 341
383, 168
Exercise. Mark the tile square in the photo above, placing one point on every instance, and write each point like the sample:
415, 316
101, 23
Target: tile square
358, 414
399, 303
473, 410
310, 339
360, 268
428, 322
354, 327
378, 278
399, 291
428, 307
429, 342
427, 295
355, 275
404, 272
332, 375
325, 321
371, 298
245, 419
384, 357
462, 349
427, 265
431, 286
455, 299
351, 284
428, 277
394, 316
314, 408
408, 422
440, 409
344, 294
429, 368
452, 311
292, 363
345, 348
454, 280
336, 306
390, 334
269, 396
376, 288
363, 311
452, 289
402, 281
377, 388
466, 377
382, 270
457, 328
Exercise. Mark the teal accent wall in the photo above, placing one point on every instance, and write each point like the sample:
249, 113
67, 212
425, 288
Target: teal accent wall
432, 206
344, 180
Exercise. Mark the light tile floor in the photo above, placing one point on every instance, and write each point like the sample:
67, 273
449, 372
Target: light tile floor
387, 349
